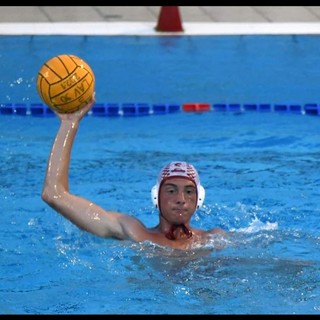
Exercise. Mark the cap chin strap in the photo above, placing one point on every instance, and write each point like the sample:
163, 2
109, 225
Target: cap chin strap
170, 235
155, 196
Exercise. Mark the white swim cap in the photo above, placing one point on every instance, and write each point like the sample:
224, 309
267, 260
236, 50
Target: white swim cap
178, 169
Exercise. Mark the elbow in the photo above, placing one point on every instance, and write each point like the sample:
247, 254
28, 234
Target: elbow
47, 196
50, 196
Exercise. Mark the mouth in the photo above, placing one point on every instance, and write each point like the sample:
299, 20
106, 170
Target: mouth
180, 211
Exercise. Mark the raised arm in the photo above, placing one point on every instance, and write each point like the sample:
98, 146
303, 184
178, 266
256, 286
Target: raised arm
83, 213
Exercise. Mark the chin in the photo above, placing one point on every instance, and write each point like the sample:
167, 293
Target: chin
181, 218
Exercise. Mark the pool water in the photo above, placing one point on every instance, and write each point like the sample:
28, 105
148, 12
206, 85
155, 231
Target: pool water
214, 69
259, 169
261, 179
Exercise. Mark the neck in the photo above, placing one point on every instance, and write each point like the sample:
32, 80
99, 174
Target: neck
170, 230
171, 233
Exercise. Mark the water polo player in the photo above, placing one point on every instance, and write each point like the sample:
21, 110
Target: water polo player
177, 195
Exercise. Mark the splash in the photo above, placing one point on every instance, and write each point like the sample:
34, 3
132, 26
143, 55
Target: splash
257, 225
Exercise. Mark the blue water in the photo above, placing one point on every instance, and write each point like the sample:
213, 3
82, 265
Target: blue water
220, 69
260, 172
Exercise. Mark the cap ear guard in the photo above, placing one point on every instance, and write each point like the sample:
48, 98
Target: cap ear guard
201, 196
155, 193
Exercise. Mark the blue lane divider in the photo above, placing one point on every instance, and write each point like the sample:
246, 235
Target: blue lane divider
102, 110
144, 109
134, 109
312, 108
265, 107
6, 108
295, 108
39, 109
164, 108
21, 109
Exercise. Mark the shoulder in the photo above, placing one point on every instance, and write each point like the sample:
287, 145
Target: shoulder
216, 231
210, 231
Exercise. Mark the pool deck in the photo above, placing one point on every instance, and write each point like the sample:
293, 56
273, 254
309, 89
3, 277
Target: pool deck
268, 14
106, 20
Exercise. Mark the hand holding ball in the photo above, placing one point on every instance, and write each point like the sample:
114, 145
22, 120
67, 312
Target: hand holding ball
65, 83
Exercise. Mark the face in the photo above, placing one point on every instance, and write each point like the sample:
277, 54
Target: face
178, 199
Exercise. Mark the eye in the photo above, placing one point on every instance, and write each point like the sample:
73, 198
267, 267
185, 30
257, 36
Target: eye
190, 191
170, 190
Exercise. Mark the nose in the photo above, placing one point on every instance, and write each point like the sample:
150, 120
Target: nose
181, 197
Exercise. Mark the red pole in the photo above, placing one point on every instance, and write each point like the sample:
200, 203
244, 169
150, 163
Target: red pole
169, 19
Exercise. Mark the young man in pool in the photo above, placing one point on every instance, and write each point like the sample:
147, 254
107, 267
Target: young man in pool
177, 195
